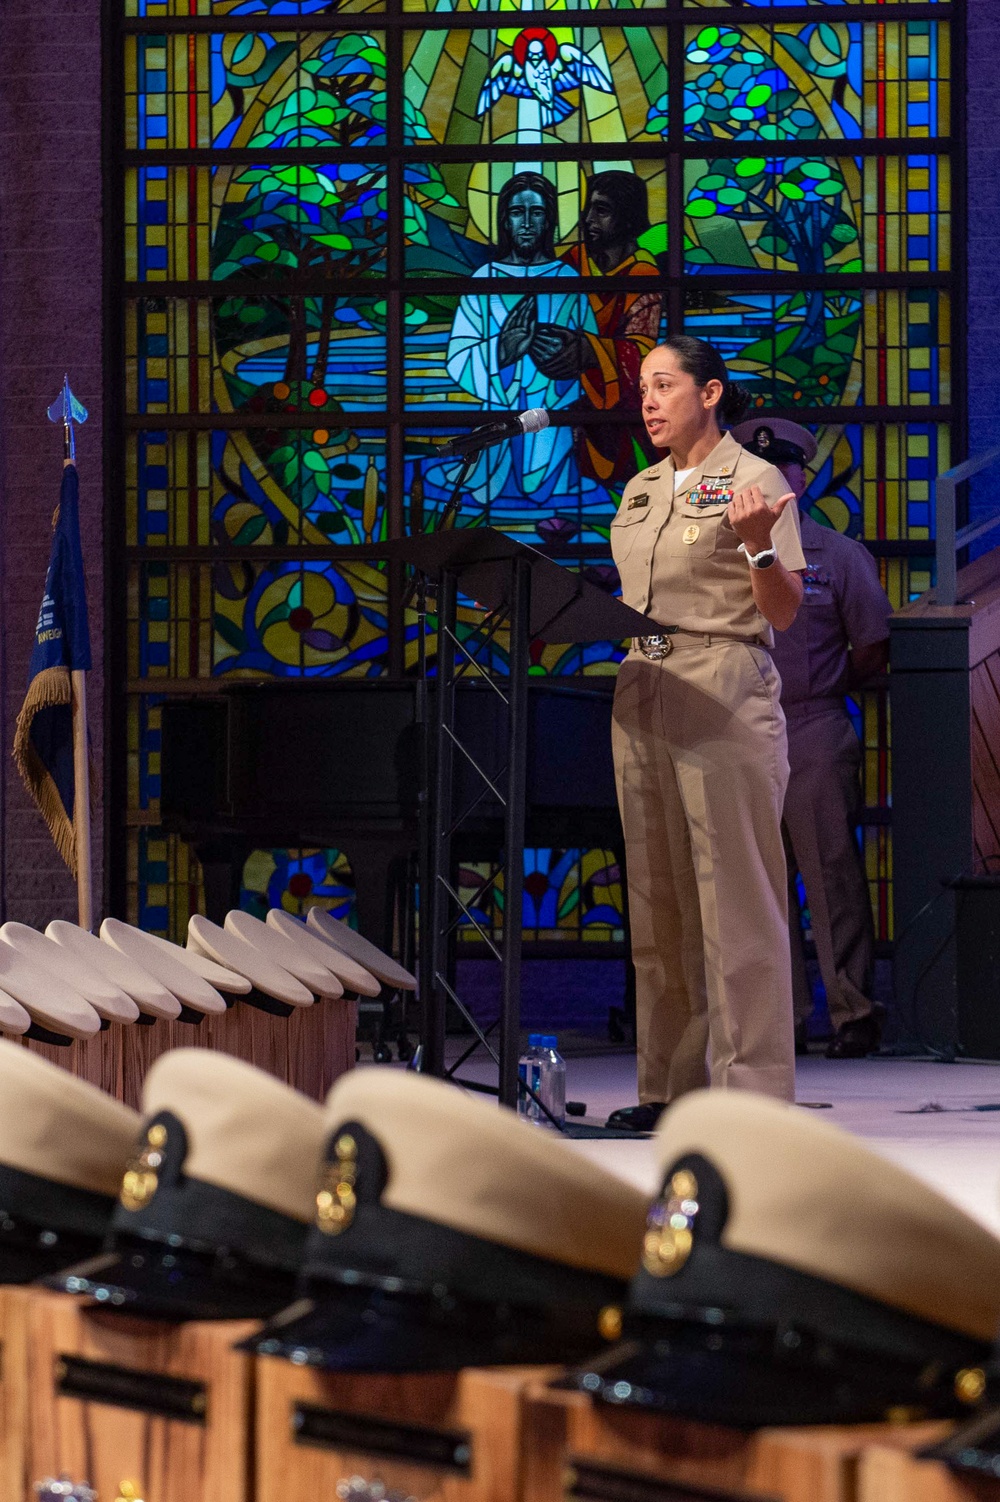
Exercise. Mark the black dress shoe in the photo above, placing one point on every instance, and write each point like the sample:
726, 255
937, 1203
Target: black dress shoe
801, 1039
856, 1040
638, 1118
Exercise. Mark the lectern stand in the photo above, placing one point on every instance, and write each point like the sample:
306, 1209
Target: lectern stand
538, 599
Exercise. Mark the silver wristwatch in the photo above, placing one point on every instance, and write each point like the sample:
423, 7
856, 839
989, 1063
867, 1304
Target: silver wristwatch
763, 559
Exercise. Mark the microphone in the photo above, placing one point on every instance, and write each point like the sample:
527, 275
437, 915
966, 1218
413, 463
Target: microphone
512, 425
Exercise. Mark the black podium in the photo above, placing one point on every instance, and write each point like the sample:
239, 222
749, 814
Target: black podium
538, 599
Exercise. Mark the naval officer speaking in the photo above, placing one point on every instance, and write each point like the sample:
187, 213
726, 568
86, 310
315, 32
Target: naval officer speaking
707, 545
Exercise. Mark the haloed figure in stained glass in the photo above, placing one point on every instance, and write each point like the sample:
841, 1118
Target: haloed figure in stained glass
502, 344
615, 214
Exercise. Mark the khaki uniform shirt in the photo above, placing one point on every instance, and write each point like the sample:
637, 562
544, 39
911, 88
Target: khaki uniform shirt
843, 606
678, 556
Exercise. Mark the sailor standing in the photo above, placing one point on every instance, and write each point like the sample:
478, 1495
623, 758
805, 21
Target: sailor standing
707, 545
840, 639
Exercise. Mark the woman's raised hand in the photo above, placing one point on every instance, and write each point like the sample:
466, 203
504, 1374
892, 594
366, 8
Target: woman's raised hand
751, 518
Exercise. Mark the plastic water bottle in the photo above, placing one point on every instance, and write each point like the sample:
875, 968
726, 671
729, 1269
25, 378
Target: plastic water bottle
529, 1072
544, 1069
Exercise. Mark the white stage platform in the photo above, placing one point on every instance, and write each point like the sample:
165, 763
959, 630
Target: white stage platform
957, 1149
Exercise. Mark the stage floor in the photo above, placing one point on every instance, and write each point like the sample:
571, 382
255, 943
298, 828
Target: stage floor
956, 1147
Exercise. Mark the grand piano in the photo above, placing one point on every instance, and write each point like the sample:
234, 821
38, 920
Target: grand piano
337, 764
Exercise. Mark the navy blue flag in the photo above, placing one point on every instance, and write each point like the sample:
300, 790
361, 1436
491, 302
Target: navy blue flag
43, 741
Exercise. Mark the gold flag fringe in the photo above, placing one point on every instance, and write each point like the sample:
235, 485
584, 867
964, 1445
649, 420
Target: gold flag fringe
50, 687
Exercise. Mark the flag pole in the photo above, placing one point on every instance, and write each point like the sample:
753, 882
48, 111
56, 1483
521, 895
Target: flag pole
81, 803
70, 409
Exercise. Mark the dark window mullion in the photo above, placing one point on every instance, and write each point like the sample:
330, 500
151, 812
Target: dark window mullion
395, 335
737, 14
675, 177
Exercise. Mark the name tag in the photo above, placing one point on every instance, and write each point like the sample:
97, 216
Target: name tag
637, 501
711, 491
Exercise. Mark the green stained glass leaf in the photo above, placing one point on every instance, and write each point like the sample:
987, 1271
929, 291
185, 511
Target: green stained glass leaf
750, 166
279, 612
330, 523
701, 208
571, 902
242, 50
799, 51
843, 233
250, 531
708, 36
790, 190
230, 632
831, 39
732, 197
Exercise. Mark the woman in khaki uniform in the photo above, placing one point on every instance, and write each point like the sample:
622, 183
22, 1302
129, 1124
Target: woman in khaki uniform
707, 545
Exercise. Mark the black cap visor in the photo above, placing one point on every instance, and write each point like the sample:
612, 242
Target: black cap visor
45, 1225
354, 1329
747, 1377
149, 1278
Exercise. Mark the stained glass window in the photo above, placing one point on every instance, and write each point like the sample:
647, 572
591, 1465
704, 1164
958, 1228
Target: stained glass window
347, 228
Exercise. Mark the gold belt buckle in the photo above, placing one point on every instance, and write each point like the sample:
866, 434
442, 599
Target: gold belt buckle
655, 647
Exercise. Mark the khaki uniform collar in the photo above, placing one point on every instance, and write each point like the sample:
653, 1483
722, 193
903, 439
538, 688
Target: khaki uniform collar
719, 464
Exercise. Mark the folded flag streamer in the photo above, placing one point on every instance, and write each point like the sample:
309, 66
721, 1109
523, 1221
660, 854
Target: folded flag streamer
43, 742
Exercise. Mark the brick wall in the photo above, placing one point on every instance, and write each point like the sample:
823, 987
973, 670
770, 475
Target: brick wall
50, 322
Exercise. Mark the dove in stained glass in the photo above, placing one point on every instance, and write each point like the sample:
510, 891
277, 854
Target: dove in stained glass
540, 68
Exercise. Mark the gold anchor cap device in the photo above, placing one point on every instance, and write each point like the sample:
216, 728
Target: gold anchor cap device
790, 1275
448, 1233
217, 1195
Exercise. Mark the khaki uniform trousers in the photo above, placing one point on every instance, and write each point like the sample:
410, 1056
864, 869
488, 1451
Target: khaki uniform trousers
701, 765
822, 805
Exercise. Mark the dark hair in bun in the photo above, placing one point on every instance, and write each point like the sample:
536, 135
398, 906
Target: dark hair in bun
703, 363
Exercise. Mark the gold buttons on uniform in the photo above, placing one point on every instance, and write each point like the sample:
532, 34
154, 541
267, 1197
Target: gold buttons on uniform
669, 1229
684, 1184
141, 1180
335, 1198
970, 1384
692, 533
609, 1322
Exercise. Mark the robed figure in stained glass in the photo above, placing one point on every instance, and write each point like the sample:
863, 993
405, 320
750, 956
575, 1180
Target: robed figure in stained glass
501, 344
616, 213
